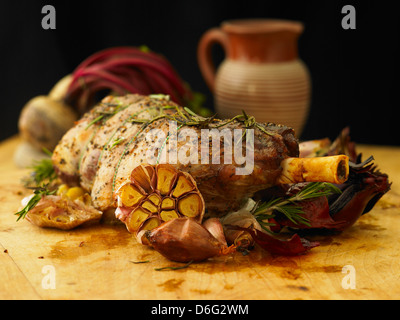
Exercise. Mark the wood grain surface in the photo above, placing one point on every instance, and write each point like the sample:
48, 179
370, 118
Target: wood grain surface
99, 262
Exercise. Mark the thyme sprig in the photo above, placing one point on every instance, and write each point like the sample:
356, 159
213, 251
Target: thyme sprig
291, 207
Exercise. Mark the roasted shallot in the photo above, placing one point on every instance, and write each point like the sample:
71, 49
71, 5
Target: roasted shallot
184, 240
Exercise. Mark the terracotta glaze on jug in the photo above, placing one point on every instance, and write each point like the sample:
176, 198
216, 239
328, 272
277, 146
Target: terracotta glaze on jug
261, 74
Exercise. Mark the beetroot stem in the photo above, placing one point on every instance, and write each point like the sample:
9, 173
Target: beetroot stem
143, 63
108, 76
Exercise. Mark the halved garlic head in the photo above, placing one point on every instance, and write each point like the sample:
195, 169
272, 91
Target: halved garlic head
156, 194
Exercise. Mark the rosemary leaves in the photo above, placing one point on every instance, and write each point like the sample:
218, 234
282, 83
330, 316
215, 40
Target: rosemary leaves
290, 207
38, 193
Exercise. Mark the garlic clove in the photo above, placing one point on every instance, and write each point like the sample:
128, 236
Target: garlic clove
214, 226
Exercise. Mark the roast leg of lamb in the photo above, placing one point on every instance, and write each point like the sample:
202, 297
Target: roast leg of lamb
102, 149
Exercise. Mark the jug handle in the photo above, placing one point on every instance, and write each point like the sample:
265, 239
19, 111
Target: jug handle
204, 54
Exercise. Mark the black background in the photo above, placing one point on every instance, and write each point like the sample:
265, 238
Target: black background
355, 73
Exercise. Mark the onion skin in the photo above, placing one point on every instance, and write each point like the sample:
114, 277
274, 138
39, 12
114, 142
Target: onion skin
364, 188
290, 247
214, 226
316, 211
242, 218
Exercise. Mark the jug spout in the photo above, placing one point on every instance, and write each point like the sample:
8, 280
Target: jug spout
261, 40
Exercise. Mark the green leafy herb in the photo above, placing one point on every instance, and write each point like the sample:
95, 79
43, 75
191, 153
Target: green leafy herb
117, 142
196, 104
95, 120
104, 115
42, 173
144, 48
188, 117
39, 192
248, 122
290, 207
174, 268
183, 117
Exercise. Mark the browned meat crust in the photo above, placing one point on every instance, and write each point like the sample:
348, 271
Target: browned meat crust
101, 151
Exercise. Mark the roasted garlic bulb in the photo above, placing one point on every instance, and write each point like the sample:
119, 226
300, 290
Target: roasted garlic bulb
157, 194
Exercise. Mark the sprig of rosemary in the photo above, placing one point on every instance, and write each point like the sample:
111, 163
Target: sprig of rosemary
104, 115
186, 265
39, 192
42, 172
174, 268
95, 120
182, 117
39, 180
248, 122
189, 118
290, 207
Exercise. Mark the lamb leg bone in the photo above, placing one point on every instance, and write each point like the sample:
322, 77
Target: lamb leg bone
332, 169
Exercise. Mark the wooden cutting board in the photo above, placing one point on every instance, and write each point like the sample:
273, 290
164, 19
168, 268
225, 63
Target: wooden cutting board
100, 262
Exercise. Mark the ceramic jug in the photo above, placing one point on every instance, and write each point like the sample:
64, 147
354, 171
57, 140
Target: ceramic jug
261, 73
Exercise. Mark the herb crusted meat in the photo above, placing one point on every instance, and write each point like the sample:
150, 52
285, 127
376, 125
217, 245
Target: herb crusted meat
102, 149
